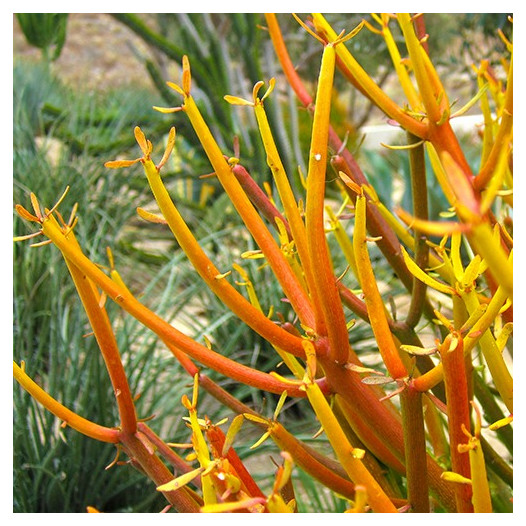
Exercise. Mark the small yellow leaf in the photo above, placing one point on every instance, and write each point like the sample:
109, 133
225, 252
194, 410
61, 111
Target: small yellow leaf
187, 77
224, 275
167, 110
152, 218
253, 254
472, 272
255, 418
501, 423
503, 336
120, 164
418, 351
23, 213
177, 88
271, 84
279, 405
356, 188
237, 101
233, 430
141, 140
424, 277
261, 440
36, 206
181, 481
450, 476
257, 503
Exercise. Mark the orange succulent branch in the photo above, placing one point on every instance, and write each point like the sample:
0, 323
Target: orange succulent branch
344, 161
72, 419
208, 271
375, 93
416, 53
324, 279
108, 345
284, 58
281, 268
451, 352
433, 97
373, 300
503, 133
290, 206
162, 328
97, 317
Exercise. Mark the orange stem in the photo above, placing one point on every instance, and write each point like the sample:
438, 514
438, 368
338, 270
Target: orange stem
235, 301
455, 381
281, 268
163, 329
373, 300
72, 419
324, 279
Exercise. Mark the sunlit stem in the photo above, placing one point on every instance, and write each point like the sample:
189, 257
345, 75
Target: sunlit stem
440, 174
373, 300
493, 357
320, 259
483, 241
343, 239
420, 210
207, 270
434, 98
72, 419
162, 328
436, 375
416, 53
346, 454
479, 480
504, 130
369, 86
252, 220
201, 449
290, 207
403, 75
451, 352
290, 361
106, 340
489, 123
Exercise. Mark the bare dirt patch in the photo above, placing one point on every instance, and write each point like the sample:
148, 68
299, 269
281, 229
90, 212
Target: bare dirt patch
99, 53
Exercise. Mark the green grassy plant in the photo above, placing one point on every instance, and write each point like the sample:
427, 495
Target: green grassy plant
417, 417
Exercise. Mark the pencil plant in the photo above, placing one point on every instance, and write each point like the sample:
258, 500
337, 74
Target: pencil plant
432, 396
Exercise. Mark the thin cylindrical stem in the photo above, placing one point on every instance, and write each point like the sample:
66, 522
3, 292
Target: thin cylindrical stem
420, 210
415, 450
451, 352
373, 300
72, 419
324, 279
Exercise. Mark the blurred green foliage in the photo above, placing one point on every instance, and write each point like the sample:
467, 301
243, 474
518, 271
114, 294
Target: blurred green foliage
46, 31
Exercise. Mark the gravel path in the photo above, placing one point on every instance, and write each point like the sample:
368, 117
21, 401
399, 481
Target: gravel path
97, 54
